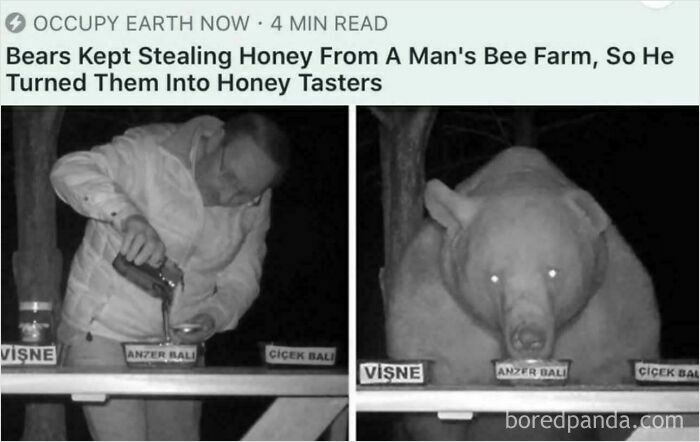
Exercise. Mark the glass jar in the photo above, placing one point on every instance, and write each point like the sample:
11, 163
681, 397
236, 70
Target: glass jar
36, 323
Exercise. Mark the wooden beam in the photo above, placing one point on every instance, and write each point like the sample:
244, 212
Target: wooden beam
297, 419
338, 429
535, 400
37, 262
187, 382
675, 434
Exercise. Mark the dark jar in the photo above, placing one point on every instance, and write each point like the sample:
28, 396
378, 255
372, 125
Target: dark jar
36, 323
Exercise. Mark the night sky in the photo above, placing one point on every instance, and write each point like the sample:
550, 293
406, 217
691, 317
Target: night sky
303, 297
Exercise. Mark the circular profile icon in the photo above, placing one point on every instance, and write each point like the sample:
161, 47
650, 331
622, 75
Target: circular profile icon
14, 22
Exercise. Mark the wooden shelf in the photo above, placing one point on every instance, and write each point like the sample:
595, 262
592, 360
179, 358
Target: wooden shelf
212, 381
574, 399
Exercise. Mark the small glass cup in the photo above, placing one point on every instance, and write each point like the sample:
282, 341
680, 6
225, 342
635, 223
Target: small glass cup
36, 322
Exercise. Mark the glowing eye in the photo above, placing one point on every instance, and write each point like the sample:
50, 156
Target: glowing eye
552, 273
495, 279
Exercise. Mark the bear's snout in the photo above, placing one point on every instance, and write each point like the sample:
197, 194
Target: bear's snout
528, 319
528, 341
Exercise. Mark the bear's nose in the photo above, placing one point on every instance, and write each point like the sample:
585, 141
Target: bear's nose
528, 338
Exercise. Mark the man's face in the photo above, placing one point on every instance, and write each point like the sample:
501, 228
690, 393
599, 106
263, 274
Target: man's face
235, 174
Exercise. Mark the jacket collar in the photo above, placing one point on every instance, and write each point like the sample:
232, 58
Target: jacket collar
184, 142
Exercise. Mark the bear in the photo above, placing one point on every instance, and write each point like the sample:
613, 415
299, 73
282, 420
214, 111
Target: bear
517, 262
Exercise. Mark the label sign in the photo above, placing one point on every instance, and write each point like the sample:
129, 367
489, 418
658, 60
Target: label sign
160, 354
665, 372
392, 373
14, 355
542, 371
286, 355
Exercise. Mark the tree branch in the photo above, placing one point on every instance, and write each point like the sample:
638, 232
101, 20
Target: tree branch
500, 121
456, 128
381, 115
491, 116
561, 123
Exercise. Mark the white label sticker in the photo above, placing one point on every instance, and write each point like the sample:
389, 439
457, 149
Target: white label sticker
659, 372
373, 373
509, 371
13, 355
149, 353
285, 355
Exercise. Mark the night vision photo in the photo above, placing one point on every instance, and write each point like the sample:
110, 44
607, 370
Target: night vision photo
203, 249
520, 248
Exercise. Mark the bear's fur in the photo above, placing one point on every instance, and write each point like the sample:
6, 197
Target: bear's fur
516, 247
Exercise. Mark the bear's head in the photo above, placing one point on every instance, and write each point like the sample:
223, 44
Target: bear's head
523, 264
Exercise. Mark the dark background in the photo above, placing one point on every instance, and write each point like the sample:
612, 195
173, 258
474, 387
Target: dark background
638, 162
303, 296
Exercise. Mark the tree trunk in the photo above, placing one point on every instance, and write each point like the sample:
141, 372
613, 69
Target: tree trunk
403, 137
37, 263
525, 127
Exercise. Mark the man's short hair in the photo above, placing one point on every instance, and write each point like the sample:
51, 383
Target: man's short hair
265, 133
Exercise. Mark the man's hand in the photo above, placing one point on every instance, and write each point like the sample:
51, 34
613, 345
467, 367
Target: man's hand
141, 242
202, 333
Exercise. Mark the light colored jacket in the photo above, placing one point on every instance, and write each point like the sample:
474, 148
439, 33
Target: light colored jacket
220, 249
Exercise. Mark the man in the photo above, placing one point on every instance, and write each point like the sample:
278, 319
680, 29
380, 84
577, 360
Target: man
198, 193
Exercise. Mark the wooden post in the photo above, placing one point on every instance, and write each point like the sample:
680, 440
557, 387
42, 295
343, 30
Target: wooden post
297, 418
525, 128
403, 137
37, 262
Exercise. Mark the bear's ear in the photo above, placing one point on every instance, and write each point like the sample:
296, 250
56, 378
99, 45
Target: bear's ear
448, 207
587, 207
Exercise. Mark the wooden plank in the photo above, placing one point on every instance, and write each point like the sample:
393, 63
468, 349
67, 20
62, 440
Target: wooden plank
186, 382
89, 397
676, 434
455, 415
296, 418
338, 429
570, 400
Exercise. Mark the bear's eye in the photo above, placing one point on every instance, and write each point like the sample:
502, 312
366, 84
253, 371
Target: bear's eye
552, 273
495, 279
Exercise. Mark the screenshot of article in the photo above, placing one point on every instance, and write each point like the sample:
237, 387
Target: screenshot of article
349, 220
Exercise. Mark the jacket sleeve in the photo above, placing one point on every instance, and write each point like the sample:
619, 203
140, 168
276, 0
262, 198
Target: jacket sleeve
97, 183
239, 283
